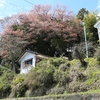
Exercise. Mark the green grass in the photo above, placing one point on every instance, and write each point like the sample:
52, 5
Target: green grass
91, 91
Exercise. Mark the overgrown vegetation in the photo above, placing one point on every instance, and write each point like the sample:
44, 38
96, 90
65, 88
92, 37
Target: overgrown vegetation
59, 35
52, 76
6, 77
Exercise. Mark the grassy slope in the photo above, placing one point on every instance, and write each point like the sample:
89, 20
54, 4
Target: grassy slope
59, 76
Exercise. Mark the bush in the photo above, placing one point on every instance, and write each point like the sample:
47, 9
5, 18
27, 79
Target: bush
61, 78
46, 76
5, 81
38, 92
18, 88
74, 61
64, 67
18, 79
56, 90
40, 77
97, 54
57, 61
92, 62
74, 87
31, 80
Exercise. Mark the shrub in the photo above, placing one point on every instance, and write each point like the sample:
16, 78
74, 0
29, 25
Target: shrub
5, 81
61, 77
38, 92
81, 77
18, 88
74, 87
40, 77
31, 80
57, 61
56, 90
74, 61
64, 67
46, 76
97, 54
18, 79
92, 62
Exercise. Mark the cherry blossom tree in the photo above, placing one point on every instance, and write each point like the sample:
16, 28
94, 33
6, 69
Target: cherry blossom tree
44, 29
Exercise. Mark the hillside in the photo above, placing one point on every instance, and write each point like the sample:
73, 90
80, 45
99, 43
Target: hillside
52, 76
56, 32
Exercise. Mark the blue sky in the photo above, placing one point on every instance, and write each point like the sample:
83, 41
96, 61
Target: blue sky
10, 7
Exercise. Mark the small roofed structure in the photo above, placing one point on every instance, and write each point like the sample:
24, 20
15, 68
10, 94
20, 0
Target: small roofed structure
29, 60
97, 25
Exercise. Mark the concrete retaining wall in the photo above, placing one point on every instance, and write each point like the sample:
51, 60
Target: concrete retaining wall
63, 97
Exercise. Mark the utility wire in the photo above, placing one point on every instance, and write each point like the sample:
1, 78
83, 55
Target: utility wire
29, 2
17, 6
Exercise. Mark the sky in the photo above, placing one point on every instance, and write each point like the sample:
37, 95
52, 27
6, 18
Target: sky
11, 7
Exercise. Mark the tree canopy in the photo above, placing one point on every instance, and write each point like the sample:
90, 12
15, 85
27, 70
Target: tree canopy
44, 29
90, 19
82, 12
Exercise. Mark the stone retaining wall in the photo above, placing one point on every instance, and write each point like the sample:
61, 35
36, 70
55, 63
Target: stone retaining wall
63, 97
